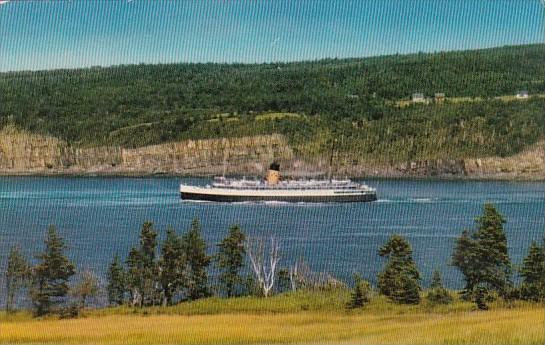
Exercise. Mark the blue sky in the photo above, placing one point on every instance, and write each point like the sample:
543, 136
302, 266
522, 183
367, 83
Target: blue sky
68, 34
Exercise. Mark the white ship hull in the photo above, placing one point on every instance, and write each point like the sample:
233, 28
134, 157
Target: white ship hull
209, 193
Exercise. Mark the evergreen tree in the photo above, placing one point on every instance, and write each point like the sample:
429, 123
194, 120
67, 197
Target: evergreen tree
17, 276
482, 256
438, 294
436, 280
172, 266
230, 259
135, 276
116, 282
197, 262
361, 295
51, 275
142, 275
465, 256
533, 274
400, 279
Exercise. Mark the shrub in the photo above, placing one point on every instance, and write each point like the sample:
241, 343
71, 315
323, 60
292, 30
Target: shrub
70, 312
361, 295
438, 294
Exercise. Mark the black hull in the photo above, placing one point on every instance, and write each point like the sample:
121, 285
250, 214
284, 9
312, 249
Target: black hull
310, 199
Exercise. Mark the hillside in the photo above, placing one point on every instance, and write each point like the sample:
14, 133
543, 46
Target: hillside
345, 104
26, 153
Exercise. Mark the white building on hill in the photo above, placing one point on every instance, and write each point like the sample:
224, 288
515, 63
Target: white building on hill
522, 94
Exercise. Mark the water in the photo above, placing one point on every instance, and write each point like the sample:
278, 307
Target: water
100, 217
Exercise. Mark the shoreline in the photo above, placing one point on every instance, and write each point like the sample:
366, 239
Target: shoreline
27, 154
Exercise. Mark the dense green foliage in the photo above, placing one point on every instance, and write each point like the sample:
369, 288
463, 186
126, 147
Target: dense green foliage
533, 273
51, 275
400, 279
197, 262
179, 273
230, 259
481, 295
143, 269
172, 266
482, 256
456, 130
17, 276
116, 282
147, 104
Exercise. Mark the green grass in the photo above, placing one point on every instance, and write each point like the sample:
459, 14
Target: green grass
301, 317
326, 301
277, 116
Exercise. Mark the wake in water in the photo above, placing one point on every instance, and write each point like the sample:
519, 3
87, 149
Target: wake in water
449, 201
264, 203
409, 200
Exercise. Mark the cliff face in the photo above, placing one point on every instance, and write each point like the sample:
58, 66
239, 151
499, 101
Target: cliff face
26, 153
237, 155
22, 152
529, 164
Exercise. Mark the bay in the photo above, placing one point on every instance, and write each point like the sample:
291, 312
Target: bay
100, 217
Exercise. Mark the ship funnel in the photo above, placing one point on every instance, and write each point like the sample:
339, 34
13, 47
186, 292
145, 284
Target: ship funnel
273, 176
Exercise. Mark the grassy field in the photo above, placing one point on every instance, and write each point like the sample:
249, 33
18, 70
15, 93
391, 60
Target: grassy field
276, 116
300, 318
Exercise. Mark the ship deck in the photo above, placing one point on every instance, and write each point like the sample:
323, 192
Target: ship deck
289, 185
326, 192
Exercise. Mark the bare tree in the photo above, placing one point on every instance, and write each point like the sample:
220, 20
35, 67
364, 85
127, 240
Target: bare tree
87, 287
302, 277
264, 268
293, 277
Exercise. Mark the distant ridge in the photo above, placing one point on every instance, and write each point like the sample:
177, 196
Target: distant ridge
468, 106
368, 58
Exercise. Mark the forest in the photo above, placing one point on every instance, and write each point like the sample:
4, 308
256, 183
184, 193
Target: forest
309, 102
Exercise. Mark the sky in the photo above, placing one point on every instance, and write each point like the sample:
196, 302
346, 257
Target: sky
36, 35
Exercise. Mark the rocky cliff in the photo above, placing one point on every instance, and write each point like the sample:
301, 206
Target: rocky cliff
26, 153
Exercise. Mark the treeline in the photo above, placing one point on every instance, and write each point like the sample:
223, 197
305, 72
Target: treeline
417, 132
147, 104
177, 270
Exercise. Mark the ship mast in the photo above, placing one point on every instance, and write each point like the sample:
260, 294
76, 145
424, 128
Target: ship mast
331, 159
333, 149
224, 162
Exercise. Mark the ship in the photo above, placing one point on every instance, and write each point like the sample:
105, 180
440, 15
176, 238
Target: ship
274, 188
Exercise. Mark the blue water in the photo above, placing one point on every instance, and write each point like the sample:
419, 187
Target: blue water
100, 217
